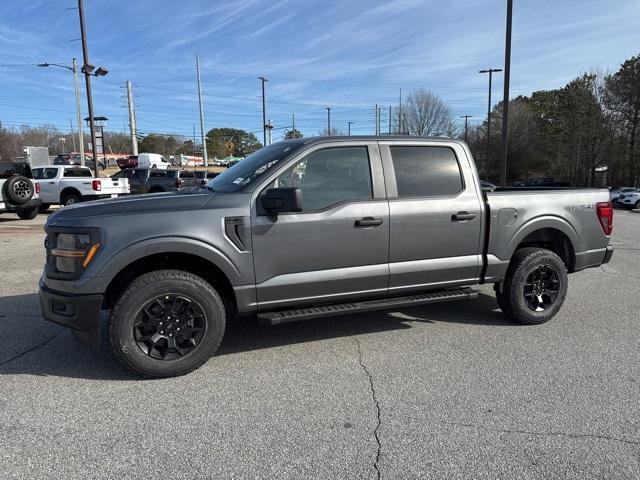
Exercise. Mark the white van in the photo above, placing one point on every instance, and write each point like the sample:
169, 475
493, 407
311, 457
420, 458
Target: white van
153, 161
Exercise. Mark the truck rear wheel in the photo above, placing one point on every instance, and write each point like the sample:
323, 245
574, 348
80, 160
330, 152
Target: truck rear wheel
70, 199
167, 323
534, 287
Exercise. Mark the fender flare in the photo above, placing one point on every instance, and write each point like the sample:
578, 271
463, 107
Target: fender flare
123, 257
540, 223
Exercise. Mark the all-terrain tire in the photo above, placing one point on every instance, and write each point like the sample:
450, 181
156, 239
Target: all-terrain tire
530, 271
18, 189
27, 213
70, 199
131, 314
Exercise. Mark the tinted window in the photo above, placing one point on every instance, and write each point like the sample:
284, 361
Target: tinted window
139, 174
426, 171
330, 176
9, 169
44, 173
187, 174
77, 172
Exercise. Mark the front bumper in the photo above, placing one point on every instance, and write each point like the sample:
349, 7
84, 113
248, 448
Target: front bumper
80, 313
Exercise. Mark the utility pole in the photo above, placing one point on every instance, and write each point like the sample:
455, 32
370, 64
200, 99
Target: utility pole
264, 112
76, 84
269, 126
87, 68
389, 119
505, 98
349, 128
400, 114
328, 121
466, 118
205, 158
194, 140
132, 120
490, 71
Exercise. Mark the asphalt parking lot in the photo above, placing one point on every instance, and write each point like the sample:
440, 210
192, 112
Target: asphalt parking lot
442, 391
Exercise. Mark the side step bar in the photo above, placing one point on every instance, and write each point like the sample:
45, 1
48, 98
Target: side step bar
297, 314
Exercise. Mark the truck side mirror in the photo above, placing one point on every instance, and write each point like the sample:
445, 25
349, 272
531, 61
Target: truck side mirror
281, 200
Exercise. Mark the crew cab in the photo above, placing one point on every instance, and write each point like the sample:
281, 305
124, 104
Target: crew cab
18, 192
68, 185
308, 228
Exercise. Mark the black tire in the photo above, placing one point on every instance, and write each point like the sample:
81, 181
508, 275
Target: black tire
534, 287
70, 199
156, 190
139, 314
18, 189
637, 205
27, 213
44, 207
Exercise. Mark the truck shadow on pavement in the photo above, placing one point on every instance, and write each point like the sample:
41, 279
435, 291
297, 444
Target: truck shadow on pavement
32, 346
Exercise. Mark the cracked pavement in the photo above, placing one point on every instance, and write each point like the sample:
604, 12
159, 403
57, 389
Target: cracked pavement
443, 391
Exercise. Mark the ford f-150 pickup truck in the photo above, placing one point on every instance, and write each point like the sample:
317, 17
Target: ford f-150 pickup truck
308, 228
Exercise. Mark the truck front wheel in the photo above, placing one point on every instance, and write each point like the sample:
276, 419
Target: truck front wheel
167, 323
534, 287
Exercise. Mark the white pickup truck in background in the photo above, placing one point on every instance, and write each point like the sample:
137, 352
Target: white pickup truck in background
68, 185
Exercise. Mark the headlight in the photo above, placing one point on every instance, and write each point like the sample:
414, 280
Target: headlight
73, 250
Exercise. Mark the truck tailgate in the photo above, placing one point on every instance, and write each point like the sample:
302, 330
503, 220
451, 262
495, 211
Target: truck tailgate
112, 186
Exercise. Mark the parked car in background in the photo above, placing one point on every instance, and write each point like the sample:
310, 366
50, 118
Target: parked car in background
614, 193
202, 176
153, 161
74, 159
18, 191
147, 180
629, 198
128, 162
68, 185
308, 228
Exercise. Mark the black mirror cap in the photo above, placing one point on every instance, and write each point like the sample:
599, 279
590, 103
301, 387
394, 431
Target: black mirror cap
282, 200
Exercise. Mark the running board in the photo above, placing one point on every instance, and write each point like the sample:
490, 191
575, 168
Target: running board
297, 314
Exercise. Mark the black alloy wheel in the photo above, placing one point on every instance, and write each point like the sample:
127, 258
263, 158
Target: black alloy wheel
170, 326
541, 288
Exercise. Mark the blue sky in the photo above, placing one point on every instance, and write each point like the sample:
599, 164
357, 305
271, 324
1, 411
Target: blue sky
348, 55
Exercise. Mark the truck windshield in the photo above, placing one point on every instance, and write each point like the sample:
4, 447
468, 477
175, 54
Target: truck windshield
249, 169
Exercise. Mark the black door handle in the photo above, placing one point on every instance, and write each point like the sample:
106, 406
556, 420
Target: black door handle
462, 216
368, 222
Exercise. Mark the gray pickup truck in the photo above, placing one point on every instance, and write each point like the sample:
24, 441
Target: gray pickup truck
309, 228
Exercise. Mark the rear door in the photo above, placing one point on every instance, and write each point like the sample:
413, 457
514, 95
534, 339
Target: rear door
435, 214
337, 248
47, 178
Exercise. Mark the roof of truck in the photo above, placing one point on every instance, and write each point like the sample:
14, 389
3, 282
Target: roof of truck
368, 138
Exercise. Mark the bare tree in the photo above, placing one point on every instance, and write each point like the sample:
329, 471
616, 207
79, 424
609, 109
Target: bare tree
335, 132
425, 113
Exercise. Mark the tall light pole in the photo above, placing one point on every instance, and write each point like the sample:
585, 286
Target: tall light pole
490, 72
328, 121
293, 124
400, 114
76, 85
505, 98
466, 118
349, 128
205, 157
264, 112
132, 119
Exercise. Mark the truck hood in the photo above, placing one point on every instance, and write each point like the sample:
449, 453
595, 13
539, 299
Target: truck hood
133, 204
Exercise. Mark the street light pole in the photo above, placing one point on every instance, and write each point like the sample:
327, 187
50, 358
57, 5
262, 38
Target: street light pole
349, 128
87, 68
76, 83
205, 157
505, 98
490, 72
466, 118
328, 121
264, 112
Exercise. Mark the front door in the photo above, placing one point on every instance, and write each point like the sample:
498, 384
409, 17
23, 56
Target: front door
337, 248
436, 217
46, 177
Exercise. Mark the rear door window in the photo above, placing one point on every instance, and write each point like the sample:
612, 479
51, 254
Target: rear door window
426, 171
77, 172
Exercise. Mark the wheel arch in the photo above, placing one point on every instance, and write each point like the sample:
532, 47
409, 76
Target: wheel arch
552, 233
69, 191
